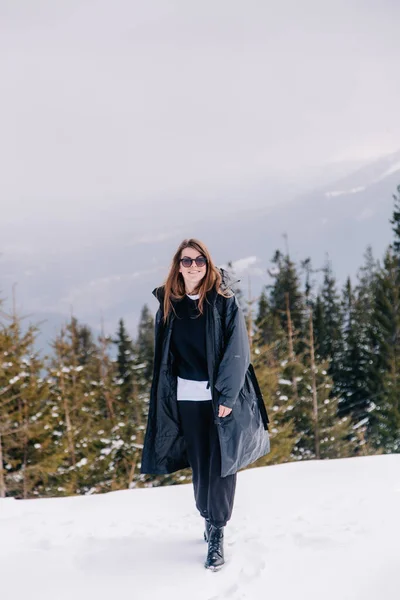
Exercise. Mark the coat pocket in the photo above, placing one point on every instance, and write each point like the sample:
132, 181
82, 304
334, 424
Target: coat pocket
247, 393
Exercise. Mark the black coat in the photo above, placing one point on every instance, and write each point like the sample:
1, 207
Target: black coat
243, 434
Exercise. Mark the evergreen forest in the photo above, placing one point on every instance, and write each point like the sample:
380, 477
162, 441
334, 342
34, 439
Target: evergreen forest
327, 360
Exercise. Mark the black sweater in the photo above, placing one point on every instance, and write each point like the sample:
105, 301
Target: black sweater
188, 341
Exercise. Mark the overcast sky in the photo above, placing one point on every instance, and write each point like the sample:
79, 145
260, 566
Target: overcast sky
127, 100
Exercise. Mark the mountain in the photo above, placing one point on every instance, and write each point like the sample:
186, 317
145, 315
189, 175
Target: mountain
309, 530
105, 268
338, 221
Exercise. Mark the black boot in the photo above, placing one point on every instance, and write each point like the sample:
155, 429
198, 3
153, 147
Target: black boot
207, 529
215, 555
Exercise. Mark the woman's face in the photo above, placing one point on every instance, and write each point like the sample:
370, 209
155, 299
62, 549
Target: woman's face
194, 274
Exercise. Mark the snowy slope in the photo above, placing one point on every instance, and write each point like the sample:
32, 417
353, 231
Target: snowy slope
368, 175
313, 530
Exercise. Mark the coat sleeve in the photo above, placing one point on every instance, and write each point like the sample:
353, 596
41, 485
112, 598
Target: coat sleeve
236, 357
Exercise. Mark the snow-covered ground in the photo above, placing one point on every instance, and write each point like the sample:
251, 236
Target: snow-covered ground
312, 530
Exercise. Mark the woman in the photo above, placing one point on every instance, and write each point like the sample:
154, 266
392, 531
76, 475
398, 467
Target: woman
206, 410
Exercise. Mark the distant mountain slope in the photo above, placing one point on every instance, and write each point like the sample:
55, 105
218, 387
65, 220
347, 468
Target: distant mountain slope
113, 275
341, 220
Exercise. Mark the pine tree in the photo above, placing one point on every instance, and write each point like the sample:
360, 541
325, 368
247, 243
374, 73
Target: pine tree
126, 361
384, 424
291, 414
337, 438
144, 348
384, 427
263, 326
355, 381
291, 411
268, 331
395, 221
115, 437
144, 351
75, 411
388, 422
269, 349
306, 404
23, 405
329, 345
286, 284
334, 436
348, 381
319, 323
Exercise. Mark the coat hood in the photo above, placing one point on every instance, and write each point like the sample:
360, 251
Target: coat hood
228, 281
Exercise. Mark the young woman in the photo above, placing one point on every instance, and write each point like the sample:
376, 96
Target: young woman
206, 410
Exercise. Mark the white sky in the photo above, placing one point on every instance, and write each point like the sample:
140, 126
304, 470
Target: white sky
126, 100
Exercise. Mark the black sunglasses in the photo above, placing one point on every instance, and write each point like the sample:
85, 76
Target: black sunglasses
187, 262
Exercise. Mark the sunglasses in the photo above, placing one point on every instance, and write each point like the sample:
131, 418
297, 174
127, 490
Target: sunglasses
187, 262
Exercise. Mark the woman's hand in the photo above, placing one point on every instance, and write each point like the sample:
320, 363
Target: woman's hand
224, 411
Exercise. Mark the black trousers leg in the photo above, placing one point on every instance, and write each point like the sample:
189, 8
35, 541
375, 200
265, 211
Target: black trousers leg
214, 495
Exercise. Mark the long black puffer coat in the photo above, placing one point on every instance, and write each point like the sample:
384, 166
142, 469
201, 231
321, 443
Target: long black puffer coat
243, 434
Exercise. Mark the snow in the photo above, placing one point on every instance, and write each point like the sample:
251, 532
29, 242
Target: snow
392, 169
355, 190
361, 423
242, 266
309, 530
366, 213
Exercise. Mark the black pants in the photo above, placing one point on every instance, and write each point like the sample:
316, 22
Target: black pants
214, 495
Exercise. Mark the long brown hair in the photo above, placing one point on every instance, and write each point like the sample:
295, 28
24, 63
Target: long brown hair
175, 285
